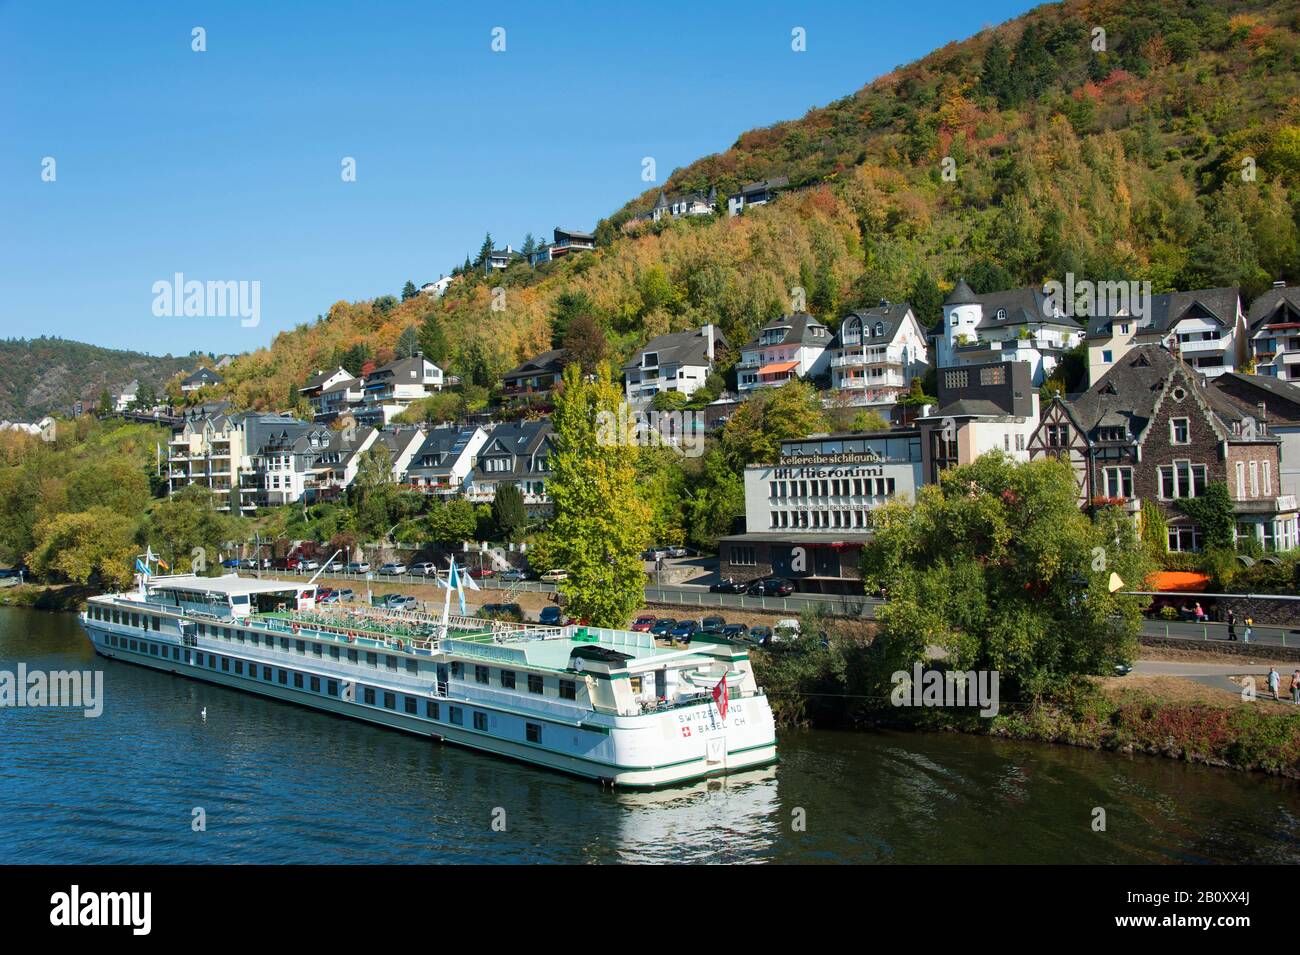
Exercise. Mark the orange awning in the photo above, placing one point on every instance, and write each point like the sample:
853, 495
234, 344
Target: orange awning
779, 367
1166, 580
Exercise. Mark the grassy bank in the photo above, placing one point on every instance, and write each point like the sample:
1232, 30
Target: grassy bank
845, 683
46, 597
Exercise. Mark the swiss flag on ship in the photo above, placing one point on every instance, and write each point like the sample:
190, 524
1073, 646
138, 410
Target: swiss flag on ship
720, 697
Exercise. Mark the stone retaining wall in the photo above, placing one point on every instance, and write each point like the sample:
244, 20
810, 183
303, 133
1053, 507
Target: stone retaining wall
1248, 651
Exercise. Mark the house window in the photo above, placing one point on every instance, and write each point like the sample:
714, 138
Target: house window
1118, 482
1180, 431
1268, 478
742, 555
1181, 479
1241, 480
1185, 538
1254, 479
1107, 357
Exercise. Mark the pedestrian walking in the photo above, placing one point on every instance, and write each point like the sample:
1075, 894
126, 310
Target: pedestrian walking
1245, 634
1232, 625
1273, 681
1295, 687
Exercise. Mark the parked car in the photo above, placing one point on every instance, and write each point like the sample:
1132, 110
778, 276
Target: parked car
425, 568
359, 567
714, 624
333, 564
248, 563
7, 572
552, 616
308, 563
230, 563
683, 630
735, 631
759, 635
329, 597
345, 593
677, 551
729, 586
555, 576
396, 602
513, 575
662, 626
482, 573
655, 553
771, 587
393, 569
643, 623
502, 612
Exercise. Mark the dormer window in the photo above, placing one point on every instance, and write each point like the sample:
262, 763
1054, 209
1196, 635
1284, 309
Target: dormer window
879, 329
650, 360
1001, 314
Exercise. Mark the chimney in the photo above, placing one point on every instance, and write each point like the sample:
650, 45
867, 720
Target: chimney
1262, 410
708, 336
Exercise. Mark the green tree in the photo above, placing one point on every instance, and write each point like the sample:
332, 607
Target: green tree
189, 531
509, 516
409, 291
96, 544
600, 525
754, 433
408, 343
374, 493
997, 565
584, 343
450, 522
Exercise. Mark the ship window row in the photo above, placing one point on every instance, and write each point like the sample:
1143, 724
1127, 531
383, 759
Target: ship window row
141, 621
369, 695
306, 647
568, 689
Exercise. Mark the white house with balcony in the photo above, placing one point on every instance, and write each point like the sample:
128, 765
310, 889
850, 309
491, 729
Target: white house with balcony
1024, 324
515, 453
793, 346
1206, 328
443, 463
1274, 323
877, 352
678, 361
390, 388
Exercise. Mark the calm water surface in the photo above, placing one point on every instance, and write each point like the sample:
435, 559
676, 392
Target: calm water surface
283, 784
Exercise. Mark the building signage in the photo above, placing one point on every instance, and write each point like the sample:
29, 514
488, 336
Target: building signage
869, 456
794, 473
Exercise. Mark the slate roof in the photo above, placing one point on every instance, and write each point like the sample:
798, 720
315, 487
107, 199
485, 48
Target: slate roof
202, 376
1024, 306
1265, 306
519, 439
961, 294
1168, 308
798, 331
547, 362
441, 447
678, 348
891, 315
1126, 395
319, 379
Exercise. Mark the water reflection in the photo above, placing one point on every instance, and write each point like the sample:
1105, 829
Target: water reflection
283, 784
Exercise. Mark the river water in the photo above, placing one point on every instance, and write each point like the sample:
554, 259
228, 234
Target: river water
277, 783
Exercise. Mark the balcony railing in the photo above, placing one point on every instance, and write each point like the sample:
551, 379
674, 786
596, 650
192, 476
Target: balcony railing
1208, 345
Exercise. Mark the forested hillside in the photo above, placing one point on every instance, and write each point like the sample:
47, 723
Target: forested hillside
1167, 149
43, 375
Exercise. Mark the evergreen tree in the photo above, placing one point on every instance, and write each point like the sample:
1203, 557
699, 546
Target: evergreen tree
509, 516
926, 300
408, 343
409, 291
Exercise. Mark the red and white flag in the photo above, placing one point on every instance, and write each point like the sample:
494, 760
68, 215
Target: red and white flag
720, 697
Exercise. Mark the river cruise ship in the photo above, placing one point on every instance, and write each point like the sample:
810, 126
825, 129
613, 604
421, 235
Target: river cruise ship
609, 705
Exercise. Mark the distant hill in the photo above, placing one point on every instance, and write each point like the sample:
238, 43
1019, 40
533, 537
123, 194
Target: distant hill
43, 375
1113, 139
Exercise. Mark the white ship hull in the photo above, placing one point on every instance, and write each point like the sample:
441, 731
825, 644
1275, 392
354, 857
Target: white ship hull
647, 750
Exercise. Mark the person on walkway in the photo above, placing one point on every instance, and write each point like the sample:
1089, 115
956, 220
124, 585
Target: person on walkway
1273, 681
1245, 634
1200, 613
1295, 687
1232, 625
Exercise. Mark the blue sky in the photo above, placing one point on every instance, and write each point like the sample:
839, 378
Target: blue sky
225, 165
